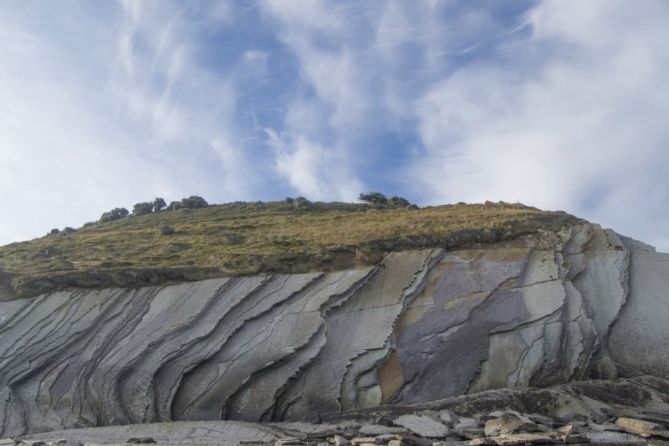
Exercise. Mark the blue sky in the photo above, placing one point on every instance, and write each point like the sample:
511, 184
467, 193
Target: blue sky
561, 106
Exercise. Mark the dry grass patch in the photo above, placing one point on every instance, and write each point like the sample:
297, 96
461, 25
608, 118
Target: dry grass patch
247, 238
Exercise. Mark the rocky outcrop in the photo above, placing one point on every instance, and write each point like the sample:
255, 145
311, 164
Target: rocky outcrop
607, 411
423, 325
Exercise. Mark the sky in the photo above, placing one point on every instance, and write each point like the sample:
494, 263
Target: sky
559, 105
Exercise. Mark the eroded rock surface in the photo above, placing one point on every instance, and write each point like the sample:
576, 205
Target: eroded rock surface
625, 416
423, 325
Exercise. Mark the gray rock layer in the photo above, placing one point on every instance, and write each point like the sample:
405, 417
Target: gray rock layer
421, 326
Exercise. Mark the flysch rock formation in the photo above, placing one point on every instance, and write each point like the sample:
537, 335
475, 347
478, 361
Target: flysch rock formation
603, 411
423, 325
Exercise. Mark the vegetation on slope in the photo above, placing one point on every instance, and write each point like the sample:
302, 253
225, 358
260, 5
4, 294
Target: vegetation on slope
247, 238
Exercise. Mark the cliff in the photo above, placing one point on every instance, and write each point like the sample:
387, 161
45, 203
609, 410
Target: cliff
252, 238
535, 310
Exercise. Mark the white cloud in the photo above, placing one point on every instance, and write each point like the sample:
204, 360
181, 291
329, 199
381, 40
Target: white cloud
313, 170
576, 122
107, 114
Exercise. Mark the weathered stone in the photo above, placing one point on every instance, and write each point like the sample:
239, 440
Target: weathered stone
6, 441
289, 442
482, 442
396, 443
413, 440
448, 417
601, 427
383, 421
614, 437
572, 428
523, 439
378, 429
340, 440
468, 428
384, 438
643, 428
575, 439
359, 440
464, 422
506, 423
470, 432
543, 420
423, 426
140, 440
203, 432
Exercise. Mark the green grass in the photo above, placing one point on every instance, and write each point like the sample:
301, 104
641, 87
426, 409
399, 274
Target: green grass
248, 238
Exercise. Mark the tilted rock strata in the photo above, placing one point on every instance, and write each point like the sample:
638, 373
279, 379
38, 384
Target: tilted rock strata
421, 326
611, 411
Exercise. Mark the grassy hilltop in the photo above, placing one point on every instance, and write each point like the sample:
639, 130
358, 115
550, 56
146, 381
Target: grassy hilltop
247, 238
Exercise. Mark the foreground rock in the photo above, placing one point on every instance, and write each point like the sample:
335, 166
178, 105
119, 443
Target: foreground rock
642, 427
614, 412
423, 325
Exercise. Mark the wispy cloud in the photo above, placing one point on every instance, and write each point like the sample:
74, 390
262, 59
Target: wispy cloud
440, 101
572, 121
117, 113
314, 170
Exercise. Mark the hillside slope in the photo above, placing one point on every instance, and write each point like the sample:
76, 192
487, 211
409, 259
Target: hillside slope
420, 325
250, 238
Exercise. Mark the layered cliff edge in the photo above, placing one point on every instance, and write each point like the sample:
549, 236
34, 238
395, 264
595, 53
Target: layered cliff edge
241, 238
421, 325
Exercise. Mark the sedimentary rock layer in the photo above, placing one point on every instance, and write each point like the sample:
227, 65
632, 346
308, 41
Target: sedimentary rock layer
422, 325
575, 413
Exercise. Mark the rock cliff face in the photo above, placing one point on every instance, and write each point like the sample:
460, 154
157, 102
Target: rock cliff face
423, 325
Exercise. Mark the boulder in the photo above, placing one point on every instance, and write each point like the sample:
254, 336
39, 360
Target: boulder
644, 428
372, 430
506, 423
523, 439
423, 426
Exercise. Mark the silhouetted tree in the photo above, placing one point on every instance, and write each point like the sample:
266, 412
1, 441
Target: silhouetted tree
142, 208
158, 204
174, 206
373, 198
194, 202
398, 202
114, 214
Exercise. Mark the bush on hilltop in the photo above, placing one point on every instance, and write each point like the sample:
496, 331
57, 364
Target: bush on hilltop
114, 214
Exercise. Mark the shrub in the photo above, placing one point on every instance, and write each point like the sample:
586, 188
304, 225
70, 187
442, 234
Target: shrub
142, 208
114, 214
158, 204
301, 203
373, 198
398, 202
67, 230
54, 231
174, 206
167, 230
194, 202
